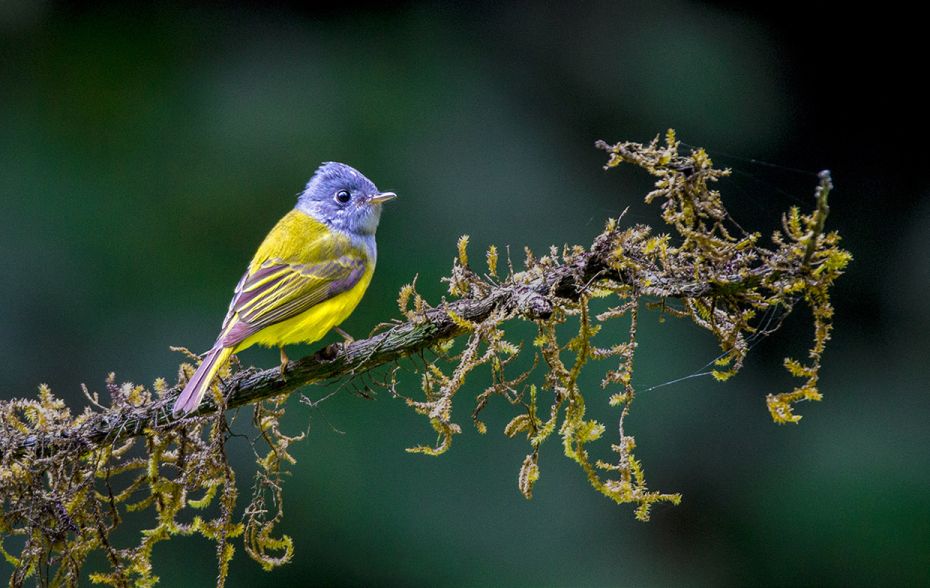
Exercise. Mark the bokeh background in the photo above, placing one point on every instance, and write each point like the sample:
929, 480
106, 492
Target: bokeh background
145, 152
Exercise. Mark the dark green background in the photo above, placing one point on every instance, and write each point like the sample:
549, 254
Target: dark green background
145, 152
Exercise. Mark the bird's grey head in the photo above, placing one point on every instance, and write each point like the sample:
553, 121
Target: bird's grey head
341, 197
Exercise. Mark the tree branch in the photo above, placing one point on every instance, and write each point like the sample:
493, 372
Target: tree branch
57, 468
530, 298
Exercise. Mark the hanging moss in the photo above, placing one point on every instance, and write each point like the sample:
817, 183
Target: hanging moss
66, 481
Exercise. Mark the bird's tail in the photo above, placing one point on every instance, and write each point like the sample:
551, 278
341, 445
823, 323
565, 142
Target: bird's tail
200, 382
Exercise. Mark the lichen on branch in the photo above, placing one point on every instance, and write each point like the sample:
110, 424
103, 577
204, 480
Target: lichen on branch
67, 481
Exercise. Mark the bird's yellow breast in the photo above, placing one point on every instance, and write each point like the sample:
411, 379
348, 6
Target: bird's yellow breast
312, 324
300, 240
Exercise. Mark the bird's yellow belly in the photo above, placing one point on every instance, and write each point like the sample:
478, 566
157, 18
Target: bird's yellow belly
312, 324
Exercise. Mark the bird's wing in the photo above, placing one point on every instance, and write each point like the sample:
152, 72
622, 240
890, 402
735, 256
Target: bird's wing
277, 290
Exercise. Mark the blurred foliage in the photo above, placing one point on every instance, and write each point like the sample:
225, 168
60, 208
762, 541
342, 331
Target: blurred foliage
57, 475
144, 153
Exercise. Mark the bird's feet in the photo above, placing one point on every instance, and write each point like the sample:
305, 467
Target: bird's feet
345, 336
330, 352
284, 361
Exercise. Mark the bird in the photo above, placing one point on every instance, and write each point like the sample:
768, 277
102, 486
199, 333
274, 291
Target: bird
308, 275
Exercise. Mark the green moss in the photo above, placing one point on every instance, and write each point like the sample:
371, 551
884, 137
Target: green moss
63, 498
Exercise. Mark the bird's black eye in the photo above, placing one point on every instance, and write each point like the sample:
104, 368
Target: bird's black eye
342, 196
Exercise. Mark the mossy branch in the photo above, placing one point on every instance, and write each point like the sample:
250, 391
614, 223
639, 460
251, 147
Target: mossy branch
530, 300
66, 480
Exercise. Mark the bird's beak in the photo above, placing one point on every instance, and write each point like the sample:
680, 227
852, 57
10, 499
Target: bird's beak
382, 197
